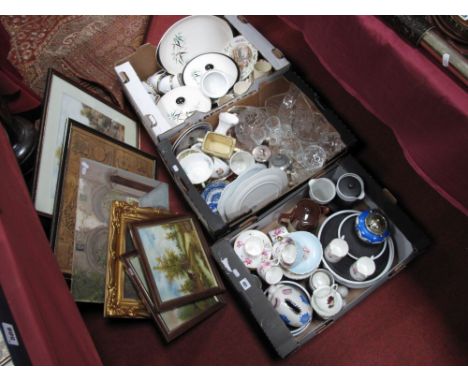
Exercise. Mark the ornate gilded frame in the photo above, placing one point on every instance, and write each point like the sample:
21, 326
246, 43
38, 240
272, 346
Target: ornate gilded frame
121, 214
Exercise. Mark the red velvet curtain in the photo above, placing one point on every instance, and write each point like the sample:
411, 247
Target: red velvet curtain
424, 106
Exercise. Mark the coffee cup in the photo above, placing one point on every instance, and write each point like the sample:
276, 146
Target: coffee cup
285, 251
322, 190
336, 250
254, 246
325, 297
362, 268
305, 216
270, 272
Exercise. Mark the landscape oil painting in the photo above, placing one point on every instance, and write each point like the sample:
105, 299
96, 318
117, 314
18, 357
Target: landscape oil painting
176, 261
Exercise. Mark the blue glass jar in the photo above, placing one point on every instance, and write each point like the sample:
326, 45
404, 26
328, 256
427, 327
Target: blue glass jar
372, 227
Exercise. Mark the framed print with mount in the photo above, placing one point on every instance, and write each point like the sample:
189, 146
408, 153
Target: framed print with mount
176, 321
65, 99
176, 261
84, 143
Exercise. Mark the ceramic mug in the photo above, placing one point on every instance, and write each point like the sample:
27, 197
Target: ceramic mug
285, 251
270, 272
305, 216
336, 250
322, 190
325, 296
362, 268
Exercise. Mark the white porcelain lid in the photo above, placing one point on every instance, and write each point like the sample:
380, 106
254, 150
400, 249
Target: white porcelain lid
180, 103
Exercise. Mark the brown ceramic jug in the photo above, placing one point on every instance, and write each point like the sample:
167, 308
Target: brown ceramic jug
305, 216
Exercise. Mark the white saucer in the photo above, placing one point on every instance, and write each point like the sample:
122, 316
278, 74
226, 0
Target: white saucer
249, 262
191, 37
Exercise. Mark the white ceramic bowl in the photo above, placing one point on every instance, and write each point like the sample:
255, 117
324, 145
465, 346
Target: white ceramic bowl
241, 161
197, 165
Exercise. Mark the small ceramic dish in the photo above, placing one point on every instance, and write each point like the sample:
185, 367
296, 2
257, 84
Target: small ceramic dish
218, 145
241, 161
320, 277
197, 166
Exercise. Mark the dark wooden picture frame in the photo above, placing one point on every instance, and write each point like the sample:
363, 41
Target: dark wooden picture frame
192, 254
44, 124
215, 303
83, 142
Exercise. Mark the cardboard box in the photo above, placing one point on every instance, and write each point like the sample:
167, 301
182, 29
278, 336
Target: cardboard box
409, 239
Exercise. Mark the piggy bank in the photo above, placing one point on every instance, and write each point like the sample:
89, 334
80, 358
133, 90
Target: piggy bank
292, 303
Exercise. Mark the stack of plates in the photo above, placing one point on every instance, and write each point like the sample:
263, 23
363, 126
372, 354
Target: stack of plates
253, 189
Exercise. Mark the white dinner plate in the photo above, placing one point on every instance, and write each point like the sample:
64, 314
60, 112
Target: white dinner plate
190, 37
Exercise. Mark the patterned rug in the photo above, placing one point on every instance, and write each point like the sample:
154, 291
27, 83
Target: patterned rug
84, 48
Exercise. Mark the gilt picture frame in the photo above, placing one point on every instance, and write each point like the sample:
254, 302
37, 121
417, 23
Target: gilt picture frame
117, 301
176, 261
174, 322
66, 99
85, 143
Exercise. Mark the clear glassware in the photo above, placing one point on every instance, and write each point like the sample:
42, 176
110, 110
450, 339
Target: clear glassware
258, 134
273, 127
315, 157
249, 117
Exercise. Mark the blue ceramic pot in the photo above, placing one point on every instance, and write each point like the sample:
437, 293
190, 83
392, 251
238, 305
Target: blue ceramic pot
372, 227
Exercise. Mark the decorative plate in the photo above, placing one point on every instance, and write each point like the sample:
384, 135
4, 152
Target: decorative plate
249, 262
244, 54
190, 37
212, 193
